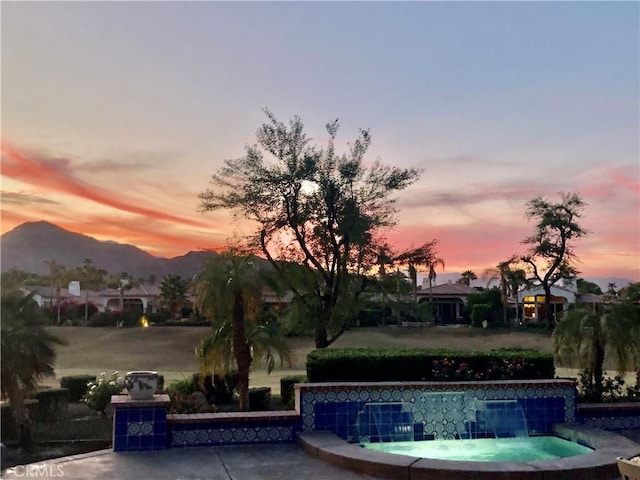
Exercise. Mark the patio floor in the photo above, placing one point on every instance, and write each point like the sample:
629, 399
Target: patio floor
242, 462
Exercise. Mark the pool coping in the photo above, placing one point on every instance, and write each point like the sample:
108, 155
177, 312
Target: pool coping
599, 464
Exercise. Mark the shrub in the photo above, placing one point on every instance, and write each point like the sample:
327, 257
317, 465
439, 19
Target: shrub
259, 399
218, 389
7, 420
613, 390
98, 397
129, 318
77, 385
158, 318
182, 402
499, 369
53, 404
480, 312
183, 386
287, 390
406, 364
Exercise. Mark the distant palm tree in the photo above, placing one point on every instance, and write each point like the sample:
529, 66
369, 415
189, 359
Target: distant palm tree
173, 293
92, 278
57, 276
589, 334
466, 277
511, 278
425, 256
229, 290
27, 354
122, 283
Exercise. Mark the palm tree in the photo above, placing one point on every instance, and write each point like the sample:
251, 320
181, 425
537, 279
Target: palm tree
510, 280
466, 277
229, 290
92, 278
27, 354
122, 283
589, 334
425, 256
57, 276
173, 292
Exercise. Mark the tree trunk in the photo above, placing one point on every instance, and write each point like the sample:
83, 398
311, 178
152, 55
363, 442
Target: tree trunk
58, 302
21, 416
598, 364
86, 307
547, 307
242, 351
322, 338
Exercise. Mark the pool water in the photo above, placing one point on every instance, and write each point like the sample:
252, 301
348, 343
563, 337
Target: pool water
520, 449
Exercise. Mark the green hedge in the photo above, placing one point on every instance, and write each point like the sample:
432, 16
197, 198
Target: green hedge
260, 399
53, 404
77, 385
403, 364
287, 390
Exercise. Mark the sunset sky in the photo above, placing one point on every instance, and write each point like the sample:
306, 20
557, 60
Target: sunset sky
116, 114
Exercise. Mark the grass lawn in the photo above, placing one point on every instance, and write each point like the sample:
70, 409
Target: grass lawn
170, 350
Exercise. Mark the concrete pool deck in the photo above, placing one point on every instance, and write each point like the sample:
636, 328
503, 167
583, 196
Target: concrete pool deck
234, 462
260, 462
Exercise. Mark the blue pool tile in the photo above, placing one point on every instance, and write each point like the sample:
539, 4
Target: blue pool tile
146, 415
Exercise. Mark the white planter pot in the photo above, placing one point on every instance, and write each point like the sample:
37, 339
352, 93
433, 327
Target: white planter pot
141, 385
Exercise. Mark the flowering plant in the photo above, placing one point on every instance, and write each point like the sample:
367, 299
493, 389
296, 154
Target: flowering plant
450, 370
98, 396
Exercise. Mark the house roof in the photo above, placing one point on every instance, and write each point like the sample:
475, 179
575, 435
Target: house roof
448, 289
590, 298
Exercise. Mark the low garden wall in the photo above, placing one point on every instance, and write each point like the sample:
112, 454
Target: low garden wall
610, 416
334, 407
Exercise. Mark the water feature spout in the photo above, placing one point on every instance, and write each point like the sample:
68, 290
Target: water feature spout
504, 418
384, 422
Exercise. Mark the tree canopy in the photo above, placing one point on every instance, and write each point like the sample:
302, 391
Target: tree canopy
311, 206
550, 257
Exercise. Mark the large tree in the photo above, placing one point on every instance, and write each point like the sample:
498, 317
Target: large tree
311, 206
229, 291
550, 257
28, 354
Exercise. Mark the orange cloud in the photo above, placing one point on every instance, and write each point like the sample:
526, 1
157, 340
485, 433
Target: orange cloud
57, 175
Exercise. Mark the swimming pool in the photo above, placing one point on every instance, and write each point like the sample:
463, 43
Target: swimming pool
519, 449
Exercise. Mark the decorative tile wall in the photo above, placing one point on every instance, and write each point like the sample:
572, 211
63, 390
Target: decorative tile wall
439, 409
232, 428
139, 424
622, 416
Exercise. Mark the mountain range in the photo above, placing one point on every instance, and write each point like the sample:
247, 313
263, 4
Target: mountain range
28, 246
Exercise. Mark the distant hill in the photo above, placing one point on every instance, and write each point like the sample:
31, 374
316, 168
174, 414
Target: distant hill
29, 245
